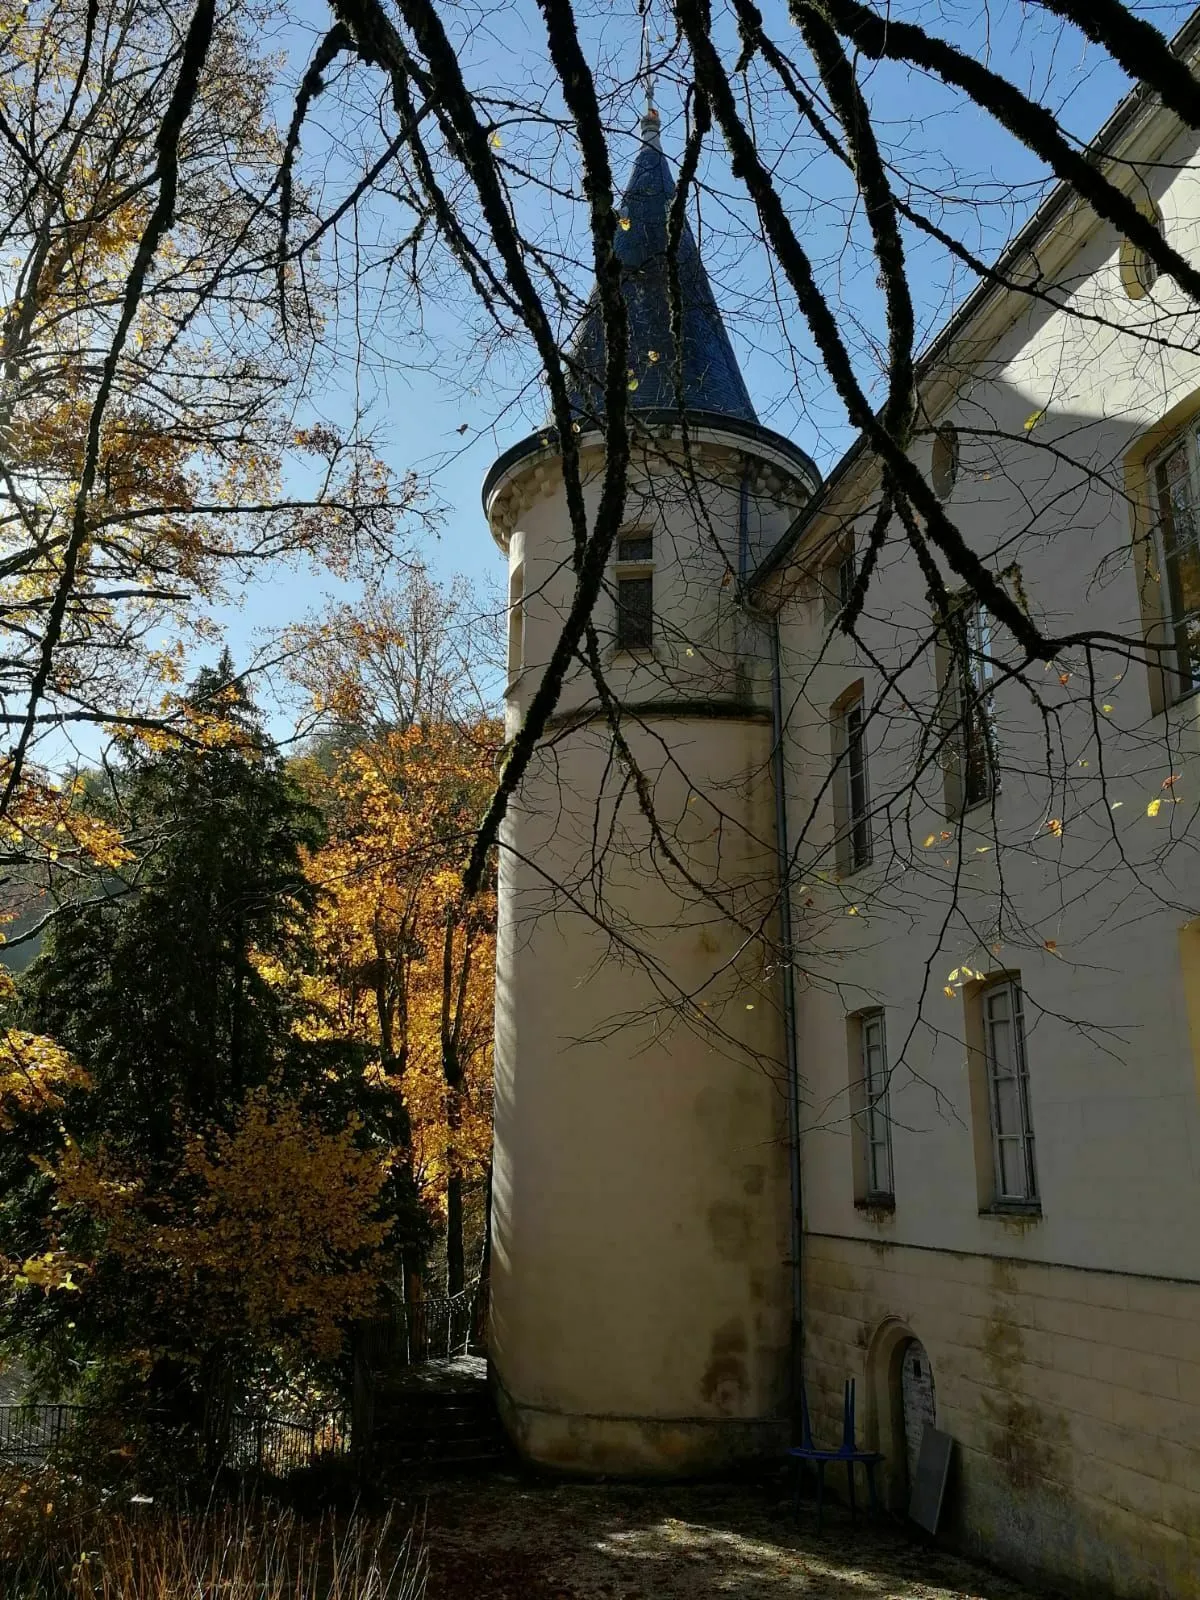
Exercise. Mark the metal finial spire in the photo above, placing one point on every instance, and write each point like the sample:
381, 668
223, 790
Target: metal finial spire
650, 125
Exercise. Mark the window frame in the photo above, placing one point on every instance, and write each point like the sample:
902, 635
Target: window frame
629, 570
1028, 1198
968, 719
837, 578
855, 836
1181, 679
876, 1123
516, 622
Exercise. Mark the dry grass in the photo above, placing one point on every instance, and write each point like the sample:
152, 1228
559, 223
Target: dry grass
225, 1552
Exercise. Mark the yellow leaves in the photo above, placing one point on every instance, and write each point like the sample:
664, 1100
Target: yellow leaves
35, 1075
1107, 709
389, 874
1033, 419
1054, 826
930, 841
494, 139
1154, 807
52, 1270
956, 978
271, 1223
652, 356
624, 224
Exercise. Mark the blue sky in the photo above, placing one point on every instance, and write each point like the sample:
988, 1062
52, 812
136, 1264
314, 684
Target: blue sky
422, 379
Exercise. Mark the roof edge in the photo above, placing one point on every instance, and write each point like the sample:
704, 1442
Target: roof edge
704, 421
1056, 202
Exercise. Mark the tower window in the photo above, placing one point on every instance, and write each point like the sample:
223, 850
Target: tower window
635, 590
516, 624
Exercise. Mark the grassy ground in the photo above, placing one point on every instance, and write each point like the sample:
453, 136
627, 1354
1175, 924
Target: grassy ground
506, 1538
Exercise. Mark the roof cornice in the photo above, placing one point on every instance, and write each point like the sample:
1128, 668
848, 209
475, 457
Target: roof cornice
1139, 119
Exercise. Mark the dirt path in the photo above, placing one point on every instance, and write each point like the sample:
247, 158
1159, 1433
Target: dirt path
507, 1538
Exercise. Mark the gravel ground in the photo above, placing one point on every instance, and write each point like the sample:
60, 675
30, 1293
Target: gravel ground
510, 1538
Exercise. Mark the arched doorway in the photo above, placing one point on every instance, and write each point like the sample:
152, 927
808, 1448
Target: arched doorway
901, 1404
917, 1402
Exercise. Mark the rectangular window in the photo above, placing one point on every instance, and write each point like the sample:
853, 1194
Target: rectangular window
1014, 1173
1177, 504
967, 698
854, 808
516, 624
635, 591
877, 1121
837, 582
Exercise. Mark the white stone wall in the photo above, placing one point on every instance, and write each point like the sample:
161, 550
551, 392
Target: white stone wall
1065, 1345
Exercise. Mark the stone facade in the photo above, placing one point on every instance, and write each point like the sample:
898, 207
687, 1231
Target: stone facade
642, 1255
1073, 1398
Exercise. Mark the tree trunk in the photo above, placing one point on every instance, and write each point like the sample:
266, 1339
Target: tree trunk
456, 1275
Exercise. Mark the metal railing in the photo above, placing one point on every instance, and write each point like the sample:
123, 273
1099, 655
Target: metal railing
432, 1329
256, 1442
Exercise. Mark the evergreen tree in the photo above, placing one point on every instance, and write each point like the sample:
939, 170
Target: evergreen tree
216, 1098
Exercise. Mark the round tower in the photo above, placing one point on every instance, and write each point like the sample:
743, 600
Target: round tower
641, 1313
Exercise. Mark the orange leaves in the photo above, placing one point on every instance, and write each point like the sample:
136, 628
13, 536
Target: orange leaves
45, 819
272, 1225
402, 807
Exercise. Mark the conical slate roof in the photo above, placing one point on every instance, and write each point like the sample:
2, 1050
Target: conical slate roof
711, 380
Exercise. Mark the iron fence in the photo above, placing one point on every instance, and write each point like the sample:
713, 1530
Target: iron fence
31, 1433
256, 1442
431, 1329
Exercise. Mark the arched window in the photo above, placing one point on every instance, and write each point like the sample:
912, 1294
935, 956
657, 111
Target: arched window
1139, 273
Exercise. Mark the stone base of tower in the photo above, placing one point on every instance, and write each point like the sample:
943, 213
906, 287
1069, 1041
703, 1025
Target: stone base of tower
638, 1447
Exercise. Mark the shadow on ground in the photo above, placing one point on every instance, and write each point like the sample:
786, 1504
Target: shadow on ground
509, 1538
